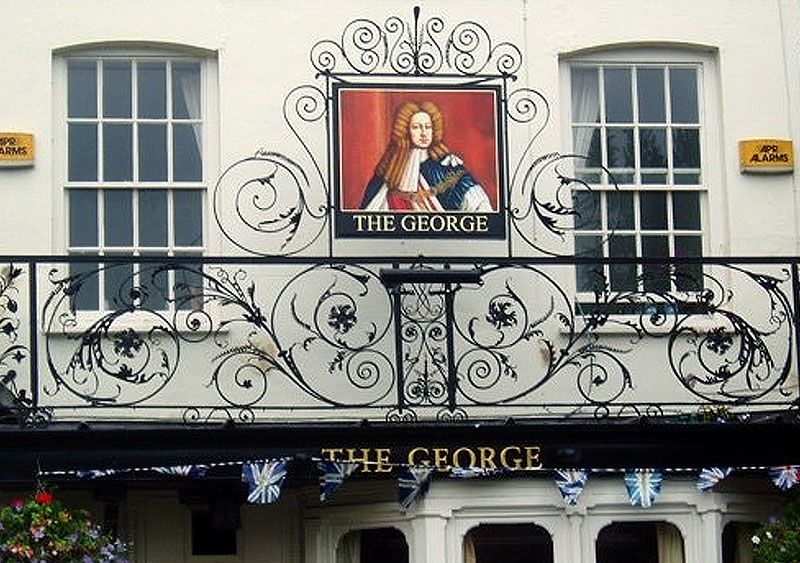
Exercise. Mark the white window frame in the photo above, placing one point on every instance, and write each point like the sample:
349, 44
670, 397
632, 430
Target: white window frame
713, 222
209, 150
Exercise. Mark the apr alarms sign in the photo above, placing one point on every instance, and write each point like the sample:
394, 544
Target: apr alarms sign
766, 156
16, 149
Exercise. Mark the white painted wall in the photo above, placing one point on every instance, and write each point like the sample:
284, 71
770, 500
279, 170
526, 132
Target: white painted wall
262, 50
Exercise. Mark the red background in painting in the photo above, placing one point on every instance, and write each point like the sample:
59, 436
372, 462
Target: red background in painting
365, 122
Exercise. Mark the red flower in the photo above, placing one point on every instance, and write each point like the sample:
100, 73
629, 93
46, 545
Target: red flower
17, 503
44, 498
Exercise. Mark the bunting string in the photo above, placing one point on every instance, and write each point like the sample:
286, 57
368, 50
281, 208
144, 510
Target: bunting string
265, 478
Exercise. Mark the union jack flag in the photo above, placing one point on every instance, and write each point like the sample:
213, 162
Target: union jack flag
785, 477
264, 480
710, 476
571, 483
194, 471
331, 476
414, 483
643, 486
99, 473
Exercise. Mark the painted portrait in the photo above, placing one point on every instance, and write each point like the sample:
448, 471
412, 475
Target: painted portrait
409, 150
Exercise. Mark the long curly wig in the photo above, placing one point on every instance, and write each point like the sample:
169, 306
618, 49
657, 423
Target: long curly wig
394, 159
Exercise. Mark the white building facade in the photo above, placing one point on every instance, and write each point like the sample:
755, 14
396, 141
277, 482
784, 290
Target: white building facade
496, 238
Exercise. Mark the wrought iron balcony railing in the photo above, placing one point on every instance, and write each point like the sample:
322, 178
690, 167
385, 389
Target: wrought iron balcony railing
281, 339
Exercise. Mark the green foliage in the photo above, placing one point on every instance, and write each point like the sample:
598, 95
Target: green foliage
40, 529
778, 541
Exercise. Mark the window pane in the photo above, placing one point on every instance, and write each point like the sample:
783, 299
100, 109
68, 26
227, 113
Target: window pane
688, 277
83, 218
118, 220
118, 286
650, 178
189, 287
589, 277
686, 210
621, 178
187, 164
510, 543
623, 276
153, 218
683, 93
585, 95
586, 143
152, 90
653, 147
116, 88
87, 294
619, 106
82, 147
737, 546
152, 152
620, 148
684, 179
117, 152
186, 90
82, 89
656, 276
653, 209
650, 93
381, 545
587, 207
638, 542
156, 284
686, 148
620, 210
655, 246
188, 217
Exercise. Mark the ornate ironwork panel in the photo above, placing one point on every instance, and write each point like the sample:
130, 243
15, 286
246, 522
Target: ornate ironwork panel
340, 340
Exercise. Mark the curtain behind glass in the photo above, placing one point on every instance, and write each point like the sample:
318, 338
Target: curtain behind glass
585, 106
469, 549
189, 83
670, 543
349, 548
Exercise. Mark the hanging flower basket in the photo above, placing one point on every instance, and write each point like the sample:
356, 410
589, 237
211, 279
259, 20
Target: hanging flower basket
41, 530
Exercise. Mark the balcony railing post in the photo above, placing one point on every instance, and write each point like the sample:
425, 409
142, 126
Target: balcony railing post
796, 315
33, 304
452, 381
397, 293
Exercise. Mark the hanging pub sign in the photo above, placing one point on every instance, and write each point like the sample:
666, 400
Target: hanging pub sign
766, 156
16, 149
418, 162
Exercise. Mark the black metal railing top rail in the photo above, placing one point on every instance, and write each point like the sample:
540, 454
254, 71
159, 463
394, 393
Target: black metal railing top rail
200, 339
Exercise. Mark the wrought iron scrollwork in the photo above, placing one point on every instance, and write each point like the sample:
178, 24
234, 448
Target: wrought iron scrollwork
262, 206
336, 315
417, 48
331, 336
16, 402
121, 357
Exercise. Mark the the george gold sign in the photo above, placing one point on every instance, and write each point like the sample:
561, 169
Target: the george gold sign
766, 156
382, 460
16, 149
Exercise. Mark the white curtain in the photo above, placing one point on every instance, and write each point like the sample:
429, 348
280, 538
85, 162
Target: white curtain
469, 549
189, 83
585, 106
349, 548
670, 543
